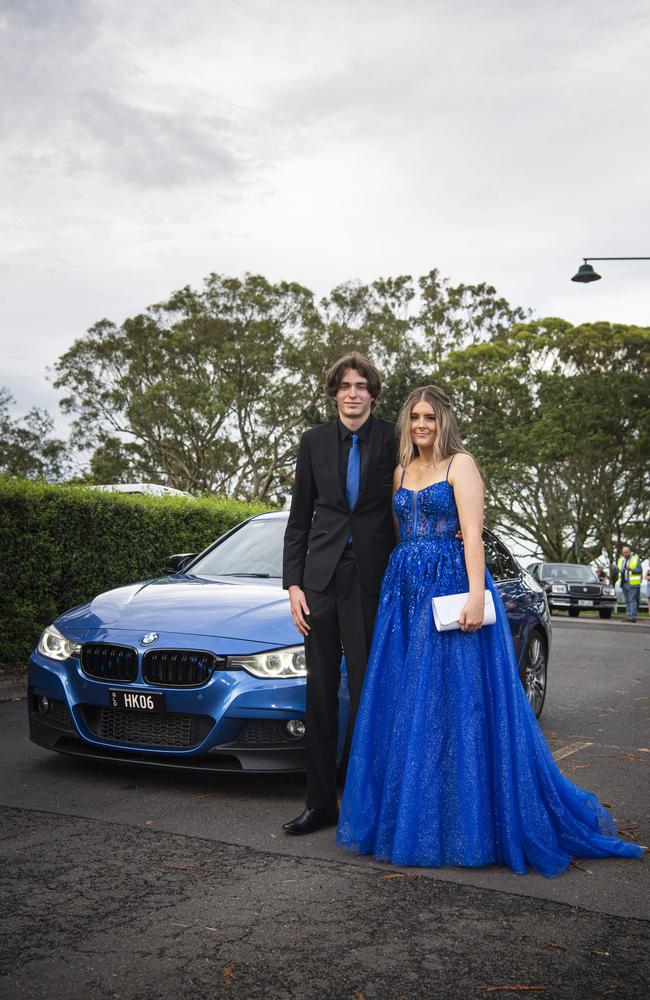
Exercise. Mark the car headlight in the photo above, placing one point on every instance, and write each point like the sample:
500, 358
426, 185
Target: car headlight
289, 662
609, 592
56, 646
559, 588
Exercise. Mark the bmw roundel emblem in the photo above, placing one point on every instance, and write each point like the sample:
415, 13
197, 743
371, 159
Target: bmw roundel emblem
149, 638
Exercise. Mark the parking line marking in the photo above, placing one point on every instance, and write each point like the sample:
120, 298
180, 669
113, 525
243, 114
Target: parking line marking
571, 749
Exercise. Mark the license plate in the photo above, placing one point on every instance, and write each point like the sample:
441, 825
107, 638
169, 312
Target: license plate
140, 701
585, 604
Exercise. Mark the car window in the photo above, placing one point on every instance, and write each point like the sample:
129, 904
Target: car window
497, 558
254, 550
509, 567
491, 556
568, 572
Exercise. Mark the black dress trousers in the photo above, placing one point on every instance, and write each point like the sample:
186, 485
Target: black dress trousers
341, 621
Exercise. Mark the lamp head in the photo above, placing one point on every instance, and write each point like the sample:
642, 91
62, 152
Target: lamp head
585, 274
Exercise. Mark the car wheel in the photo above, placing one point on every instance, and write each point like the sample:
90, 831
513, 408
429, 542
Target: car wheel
533, 672
605, 612
573, 612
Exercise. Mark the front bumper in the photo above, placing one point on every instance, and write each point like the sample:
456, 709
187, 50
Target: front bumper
235, 722
559, 602
290, 759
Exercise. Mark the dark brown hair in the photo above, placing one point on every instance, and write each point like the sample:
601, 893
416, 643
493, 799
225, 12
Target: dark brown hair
360, 364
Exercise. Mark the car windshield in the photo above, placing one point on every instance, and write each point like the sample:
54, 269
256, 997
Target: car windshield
255, 550
568, 572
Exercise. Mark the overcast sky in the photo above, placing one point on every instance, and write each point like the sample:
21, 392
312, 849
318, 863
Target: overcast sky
148, 143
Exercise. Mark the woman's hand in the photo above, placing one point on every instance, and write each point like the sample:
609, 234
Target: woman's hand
471, 617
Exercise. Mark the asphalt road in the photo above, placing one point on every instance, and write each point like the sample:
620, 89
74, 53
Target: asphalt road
134, 884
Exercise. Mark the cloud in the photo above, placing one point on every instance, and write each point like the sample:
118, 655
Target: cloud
82, 105
40, 17
147, 143
149, 146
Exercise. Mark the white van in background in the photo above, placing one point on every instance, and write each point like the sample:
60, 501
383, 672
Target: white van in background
145, 489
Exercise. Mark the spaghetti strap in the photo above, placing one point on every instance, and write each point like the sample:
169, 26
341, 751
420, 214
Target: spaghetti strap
401, 482
449, 467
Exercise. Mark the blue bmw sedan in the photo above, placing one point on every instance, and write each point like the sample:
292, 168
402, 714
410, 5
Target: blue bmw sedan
203, 669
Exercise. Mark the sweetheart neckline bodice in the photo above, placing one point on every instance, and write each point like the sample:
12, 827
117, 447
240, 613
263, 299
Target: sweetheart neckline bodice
428, 514
438, 482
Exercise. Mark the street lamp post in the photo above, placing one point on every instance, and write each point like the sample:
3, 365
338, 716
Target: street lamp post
586, 272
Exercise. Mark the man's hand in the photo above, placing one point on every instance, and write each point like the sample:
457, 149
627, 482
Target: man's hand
299, 609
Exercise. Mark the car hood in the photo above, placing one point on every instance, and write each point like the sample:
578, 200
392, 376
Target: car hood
241, 610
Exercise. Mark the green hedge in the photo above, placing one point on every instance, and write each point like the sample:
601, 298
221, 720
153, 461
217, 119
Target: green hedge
62, 545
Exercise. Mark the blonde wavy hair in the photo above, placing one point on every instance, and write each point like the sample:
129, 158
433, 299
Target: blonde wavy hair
447, 441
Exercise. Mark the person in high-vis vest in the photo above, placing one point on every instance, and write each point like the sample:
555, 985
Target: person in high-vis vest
629, 574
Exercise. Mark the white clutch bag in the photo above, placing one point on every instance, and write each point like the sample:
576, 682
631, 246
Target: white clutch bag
446, 610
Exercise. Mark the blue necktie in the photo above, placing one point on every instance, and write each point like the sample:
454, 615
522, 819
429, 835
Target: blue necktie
353, 473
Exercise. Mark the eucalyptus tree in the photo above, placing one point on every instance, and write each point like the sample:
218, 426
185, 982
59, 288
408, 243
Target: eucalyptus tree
206, 390
559, 418
452, 317
211, 389
408, 326
27, 446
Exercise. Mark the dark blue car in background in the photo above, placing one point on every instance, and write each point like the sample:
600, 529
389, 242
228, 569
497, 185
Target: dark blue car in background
203, 668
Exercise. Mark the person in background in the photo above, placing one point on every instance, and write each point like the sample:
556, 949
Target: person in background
629, 571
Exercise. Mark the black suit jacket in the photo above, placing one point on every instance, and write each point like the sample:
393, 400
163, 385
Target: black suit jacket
320, 520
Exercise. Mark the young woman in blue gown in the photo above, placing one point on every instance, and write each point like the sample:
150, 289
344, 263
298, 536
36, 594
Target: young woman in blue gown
448, 764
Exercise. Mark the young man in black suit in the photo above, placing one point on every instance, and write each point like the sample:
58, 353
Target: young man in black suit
339, 536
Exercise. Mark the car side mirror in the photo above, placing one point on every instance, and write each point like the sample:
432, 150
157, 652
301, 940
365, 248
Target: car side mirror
178, 562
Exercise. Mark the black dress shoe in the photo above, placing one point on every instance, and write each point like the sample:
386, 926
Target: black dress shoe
312, 819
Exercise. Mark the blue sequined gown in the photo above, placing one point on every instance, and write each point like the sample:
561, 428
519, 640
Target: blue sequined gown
448, 764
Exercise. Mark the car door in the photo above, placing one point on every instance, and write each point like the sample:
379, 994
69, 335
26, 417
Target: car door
506, 574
